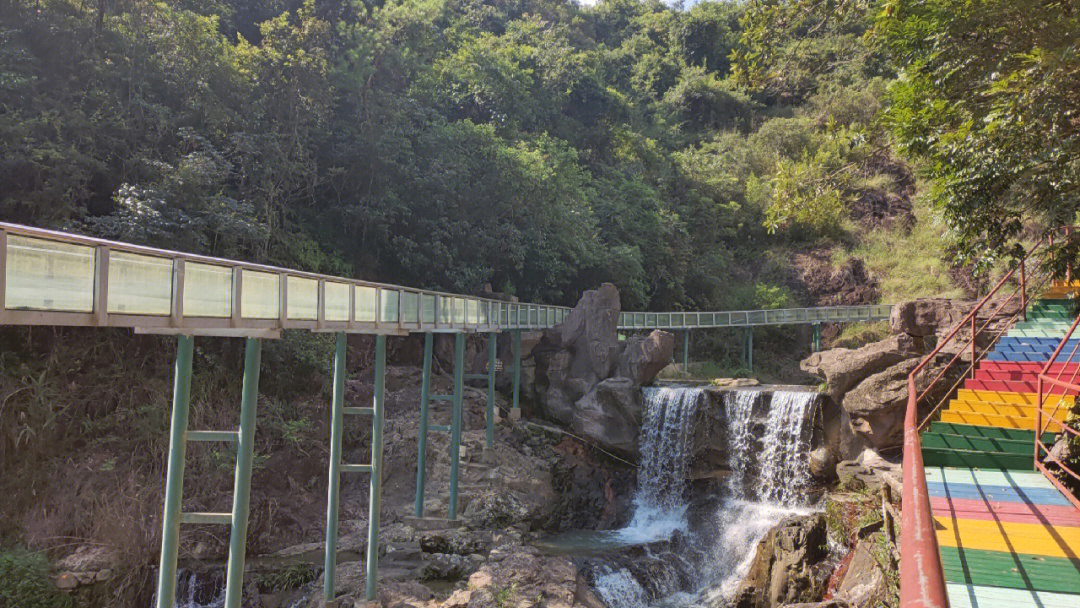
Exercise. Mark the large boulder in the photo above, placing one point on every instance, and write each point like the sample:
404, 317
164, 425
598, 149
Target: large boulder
576, 355
787, 567
843, 368
864, 582
927, 316
644, 356
610, 415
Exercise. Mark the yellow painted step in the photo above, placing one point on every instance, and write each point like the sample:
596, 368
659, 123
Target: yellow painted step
1001, 421
987, 407
1028, 539
1002, 396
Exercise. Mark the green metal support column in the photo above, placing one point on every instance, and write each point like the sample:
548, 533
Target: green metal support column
337, 421
174, 477
750, 348
375, 494
817, 337
455, 421
686, 352
422, 433
489, 436
515, 409
245, 454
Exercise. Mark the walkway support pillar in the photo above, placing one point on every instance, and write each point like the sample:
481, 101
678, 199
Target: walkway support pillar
515, 408
686, 352
422, 433
748, 348
455, 422
337, 420
817, 337
489, 436
375, 493
245, 454
174, 477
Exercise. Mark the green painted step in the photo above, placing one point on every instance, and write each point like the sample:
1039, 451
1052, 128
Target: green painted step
1015, 571
977, 444
950, 457
992, 432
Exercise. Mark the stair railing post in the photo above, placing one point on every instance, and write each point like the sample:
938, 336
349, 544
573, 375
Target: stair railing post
974, 330
174, 476
337, 410
245, 454
455, 421
422, 432
489, 437
375, 492
515, 408
1023, 289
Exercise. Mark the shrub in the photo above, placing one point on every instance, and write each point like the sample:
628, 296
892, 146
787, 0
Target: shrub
24, 581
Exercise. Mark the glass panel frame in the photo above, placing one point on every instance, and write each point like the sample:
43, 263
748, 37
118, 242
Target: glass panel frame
140, 284
207, 290
48, 275
336, 305
301, 298
388, 305
260, 294
365, 303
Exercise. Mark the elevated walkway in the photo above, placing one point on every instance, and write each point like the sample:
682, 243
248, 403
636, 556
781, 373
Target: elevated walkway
1008, 537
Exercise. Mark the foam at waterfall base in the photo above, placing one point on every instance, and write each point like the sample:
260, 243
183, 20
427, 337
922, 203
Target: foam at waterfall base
652, 524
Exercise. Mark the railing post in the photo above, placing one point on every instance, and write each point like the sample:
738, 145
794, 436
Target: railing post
515, 408
422, 433
455, 421
1038, 421
174, 476
489, 436
974, 330
1023, 288
245, 454
337, 409
375, 492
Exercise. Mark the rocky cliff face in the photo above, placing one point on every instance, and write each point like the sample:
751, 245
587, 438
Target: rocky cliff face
589, 380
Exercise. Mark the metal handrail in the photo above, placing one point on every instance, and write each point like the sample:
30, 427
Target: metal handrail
1071, 386
922, 579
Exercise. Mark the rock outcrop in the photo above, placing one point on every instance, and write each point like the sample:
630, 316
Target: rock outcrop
788, 567
587, 380
844, 368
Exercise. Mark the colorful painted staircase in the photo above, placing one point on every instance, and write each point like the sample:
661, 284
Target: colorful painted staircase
1008, 537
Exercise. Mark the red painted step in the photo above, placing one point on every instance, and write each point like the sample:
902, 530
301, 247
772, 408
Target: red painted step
1028, 366
1013, 386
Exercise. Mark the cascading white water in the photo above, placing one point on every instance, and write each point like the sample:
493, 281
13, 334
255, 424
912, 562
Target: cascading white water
659, 504
785, 467
768, 481
617, 587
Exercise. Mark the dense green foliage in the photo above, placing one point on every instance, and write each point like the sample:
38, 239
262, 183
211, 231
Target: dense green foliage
24, 581
536, 145
988, 96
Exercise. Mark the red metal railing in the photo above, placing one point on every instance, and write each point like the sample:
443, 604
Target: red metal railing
1064, 392
922, 580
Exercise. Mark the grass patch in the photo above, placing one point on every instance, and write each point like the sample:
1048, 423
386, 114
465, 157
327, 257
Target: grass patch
24, 581
913, 264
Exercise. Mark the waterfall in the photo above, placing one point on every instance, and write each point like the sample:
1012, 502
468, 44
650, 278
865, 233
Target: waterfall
659, 505
768, 437
785, 470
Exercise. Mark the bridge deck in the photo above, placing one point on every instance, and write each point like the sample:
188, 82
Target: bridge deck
1008, 537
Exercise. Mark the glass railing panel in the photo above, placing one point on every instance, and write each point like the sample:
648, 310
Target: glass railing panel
514, 314
207, 290
46, 275
260, 297
388, 305
663, 320
337, 301
140, 284
472, 308
534, 315
366, 304
544, 317
459, 311
301, 298
410, 307
678, 320
484, 307
429, 308
446, 310
504, 314
650, 319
